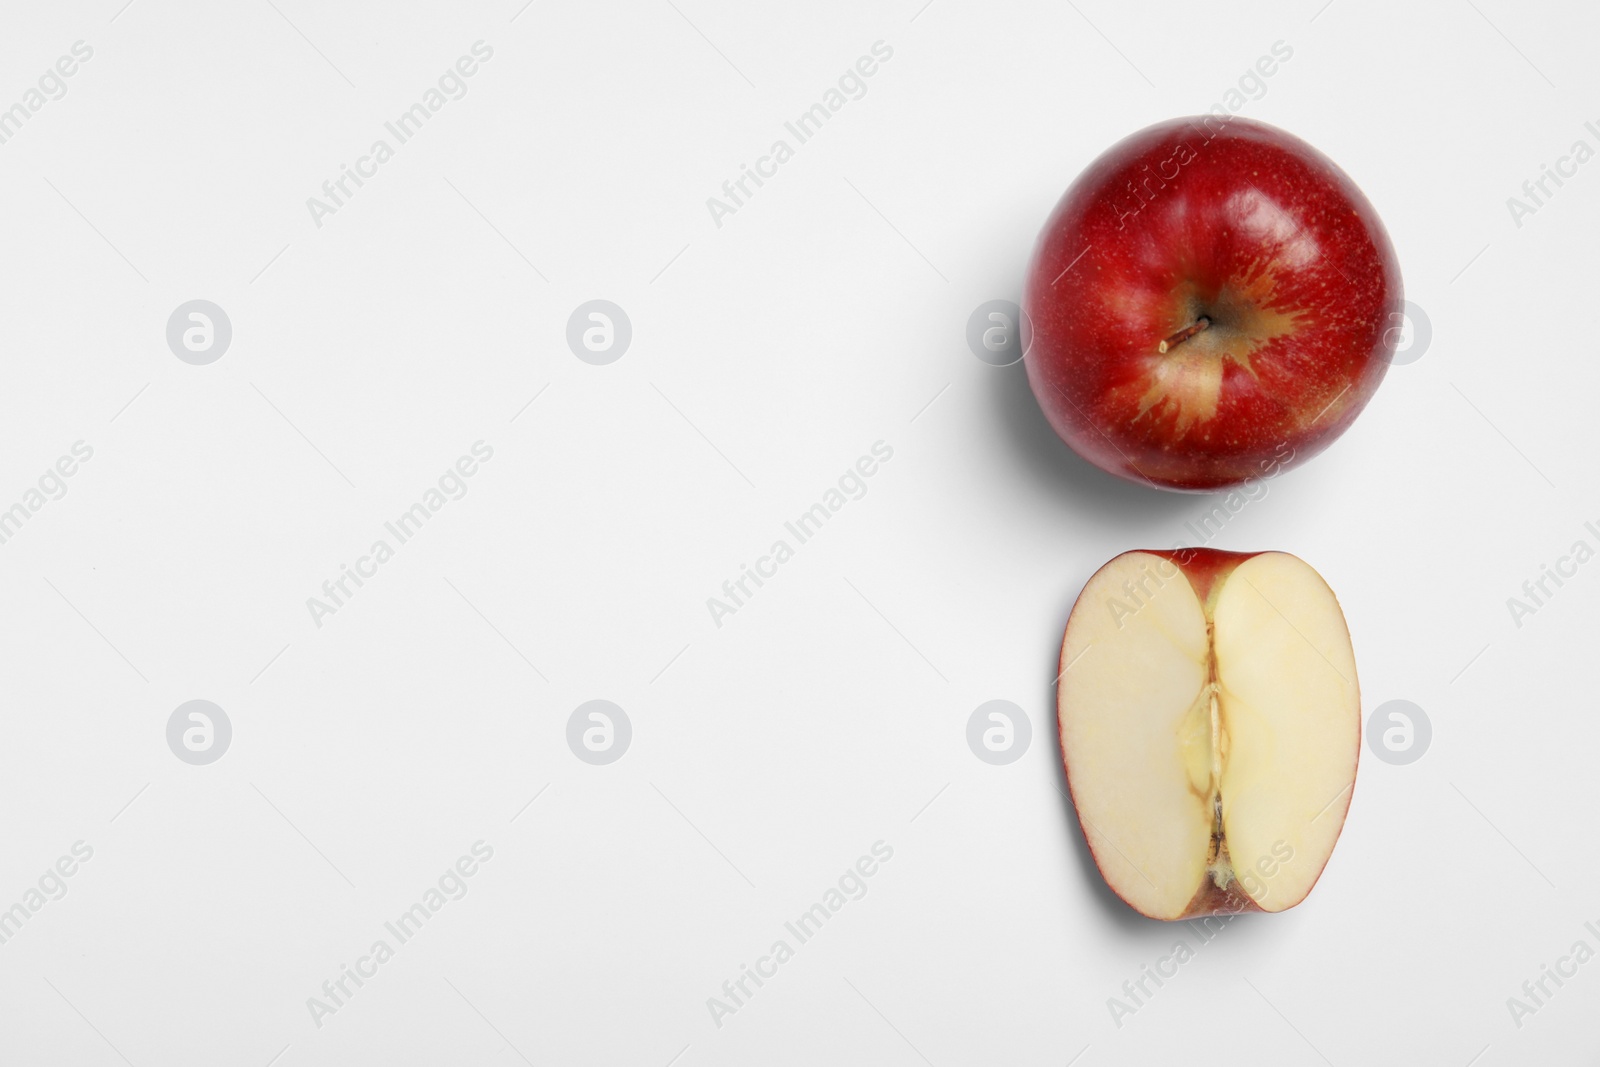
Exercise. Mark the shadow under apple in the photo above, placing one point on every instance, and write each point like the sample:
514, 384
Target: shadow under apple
1071, 483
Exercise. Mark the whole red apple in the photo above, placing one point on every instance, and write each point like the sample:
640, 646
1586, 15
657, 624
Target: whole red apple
1212, 301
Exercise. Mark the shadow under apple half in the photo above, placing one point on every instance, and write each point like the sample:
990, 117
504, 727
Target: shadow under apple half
1210, 727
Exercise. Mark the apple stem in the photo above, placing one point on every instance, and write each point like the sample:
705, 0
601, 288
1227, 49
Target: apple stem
1184, 334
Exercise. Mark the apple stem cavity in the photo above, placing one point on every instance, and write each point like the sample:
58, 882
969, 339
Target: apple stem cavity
1184, 334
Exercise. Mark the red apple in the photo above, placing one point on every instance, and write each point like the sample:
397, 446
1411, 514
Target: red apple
1213, 300
1210, 727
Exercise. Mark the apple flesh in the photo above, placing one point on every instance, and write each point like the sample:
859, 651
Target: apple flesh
1210, 726
1213, 300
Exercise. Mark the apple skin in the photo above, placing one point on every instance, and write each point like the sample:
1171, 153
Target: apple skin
1203, 568
1255, 230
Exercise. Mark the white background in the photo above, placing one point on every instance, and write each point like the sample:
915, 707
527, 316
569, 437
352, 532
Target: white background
767, 355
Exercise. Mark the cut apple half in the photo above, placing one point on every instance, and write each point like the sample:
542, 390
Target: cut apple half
1210, 726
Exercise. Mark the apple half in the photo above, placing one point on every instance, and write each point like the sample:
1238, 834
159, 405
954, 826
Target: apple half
1210, 726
